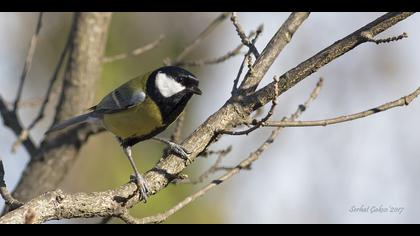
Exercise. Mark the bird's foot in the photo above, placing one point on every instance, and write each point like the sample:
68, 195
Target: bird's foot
176, 149
142, 186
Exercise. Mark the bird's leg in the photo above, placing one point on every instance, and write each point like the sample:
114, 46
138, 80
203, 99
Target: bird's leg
175, 148
139, 180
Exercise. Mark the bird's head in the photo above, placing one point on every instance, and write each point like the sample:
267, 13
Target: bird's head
172, 81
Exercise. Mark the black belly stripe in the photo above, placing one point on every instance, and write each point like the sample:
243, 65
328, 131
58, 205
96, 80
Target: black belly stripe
128, 142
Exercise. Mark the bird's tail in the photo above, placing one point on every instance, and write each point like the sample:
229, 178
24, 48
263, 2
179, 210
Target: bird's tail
88, 117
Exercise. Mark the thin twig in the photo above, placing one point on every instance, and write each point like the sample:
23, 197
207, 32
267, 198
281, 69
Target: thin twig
28, 61
135, 52
25, 133
53, 78
370, 38
176, 134
29, 103
238, 76
8, 198
246, 59
213, 168
244, 39
276, 45
404, 101
212, 26
212, 61
245, 164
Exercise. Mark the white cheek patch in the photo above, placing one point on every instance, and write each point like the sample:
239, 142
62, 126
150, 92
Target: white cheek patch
167, 86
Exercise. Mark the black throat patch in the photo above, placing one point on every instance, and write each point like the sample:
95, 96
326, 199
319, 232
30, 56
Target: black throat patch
170, 107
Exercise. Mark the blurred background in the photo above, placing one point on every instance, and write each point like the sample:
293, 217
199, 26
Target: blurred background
309, 175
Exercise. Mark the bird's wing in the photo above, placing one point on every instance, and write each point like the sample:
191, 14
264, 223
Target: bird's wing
120, 99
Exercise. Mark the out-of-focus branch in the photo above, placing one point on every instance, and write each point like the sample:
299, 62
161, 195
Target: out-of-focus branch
208, 30
10, 117
59, 151
135, 52
176, 134
28, 61
25, 133
12, 121
212, 61
53, 78
5, 194
404, 101
213, 168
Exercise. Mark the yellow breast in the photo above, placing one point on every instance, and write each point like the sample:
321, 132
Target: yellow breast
138, 121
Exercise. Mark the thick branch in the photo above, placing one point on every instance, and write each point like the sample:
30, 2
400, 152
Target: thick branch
311, 65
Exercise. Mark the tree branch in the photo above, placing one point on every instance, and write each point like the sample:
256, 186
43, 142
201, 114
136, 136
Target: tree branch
311, 65
282, 37
257, 124
28, 61
212, 61
244, 39
404, 101
214, 168
247, 58
53, 78
5, 194
213, 25
12, 121
135, 52
25, 133
59, 151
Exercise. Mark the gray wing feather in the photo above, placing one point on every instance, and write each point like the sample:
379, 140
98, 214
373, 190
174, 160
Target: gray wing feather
119, 100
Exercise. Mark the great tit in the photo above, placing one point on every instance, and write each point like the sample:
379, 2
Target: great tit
142, 108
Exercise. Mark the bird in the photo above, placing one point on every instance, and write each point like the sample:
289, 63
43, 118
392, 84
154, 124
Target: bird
140, 109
